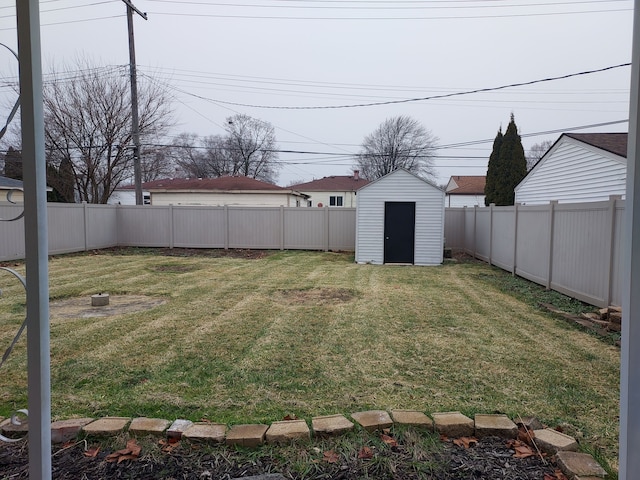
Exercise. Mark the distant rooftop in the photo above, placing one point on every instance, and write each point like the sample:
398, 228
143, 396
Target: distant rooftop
334, 183
466, 185
217, 184
7, 183
615, 143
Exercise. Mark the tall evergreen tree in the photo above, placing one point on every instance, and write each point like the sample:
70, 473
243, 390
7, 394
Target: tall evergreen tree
13, 164
492, 170
62, 182
510, 168
513, 162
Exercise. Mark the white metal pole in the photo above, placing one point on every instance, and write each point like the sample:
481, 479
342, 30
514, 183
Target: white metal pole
629, 460
35, 229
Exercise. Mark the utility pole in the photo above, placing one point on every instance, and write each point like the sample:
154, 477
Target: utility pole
135, 127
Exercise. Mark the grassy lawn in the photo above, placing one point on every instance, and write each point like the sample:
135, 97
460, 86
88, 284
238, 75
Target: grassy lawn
311, 333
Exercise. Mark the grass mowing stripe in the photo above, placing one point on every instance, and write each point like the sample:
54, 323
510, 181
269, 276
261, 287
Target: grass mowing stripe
312, 333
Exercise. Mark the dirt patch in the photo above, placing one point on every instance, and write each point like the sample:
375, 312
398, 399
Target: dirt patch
317, 296
80, 307
462, 257
174, 268
189, 252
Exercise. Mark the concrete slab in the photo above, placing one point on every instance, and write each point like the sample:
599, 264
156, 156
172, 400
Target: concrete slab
65, 430
494, 425
106, 426
574, 464
178, 427
247, 435
552, 441
148, 426
331, 425
206, 432
288, 431
453, 424
412, 417
373, 420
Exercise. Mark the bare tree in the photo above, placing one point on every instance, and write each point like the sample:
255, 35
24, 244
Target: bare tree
156, 162
88, 125
201, 157
187, 156
399, 142
249, 148
536, 152
251, 144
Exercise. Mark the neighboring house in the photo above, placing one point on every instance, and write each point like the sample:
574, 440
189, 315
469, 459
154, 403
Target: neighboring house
232, 191
16, 190
400, 219
465, 191
127, 196
579, 167
12, 185
333, 191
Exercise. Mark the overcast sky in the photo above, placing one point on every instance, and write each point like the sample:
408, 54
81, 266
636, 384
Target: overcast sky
219, 58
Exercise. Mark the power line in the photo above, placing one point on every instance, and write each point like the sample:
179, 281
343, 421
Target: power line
456, 17
536, 134
406, 100
341, 85
388, 5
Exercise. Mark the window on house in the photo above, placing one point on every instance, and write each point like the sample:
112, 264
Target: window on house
335, 201
297, 203
309, 203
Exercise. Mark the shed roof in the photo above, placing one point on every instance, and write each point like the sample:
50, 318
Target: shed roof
466, 185
393, 172
334, 183
611, 142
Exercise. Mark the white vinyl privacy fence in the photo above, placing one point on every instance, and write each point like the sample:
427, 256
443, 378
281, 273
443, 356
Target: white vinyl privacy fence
572, 248
78, 227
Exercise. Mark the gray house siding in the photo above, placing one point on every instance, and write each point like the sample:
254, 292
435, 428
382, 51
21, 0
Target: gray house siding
400, 186
573, 172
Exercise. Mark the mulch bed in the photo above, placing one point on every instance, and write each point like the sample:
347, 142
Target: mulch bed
490, 458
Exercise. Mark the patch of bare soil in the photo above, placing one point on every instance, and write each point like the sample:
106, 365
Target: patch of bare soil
463, 257
192, 252
80, 307
489, 459
316, 296
174, 268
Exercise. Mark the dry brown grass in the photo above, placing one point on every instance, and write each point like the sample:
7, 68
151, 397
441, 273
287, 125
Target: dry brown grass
309, 333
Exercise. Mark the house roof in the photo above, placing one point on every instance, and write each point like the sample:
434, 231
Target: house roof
334, 183
615, 143
466, 185
7, 183
235, 183
10, 183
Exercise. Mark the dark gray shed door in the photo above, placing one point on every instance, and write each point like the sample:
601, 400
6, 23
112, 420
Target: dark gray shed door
399, 232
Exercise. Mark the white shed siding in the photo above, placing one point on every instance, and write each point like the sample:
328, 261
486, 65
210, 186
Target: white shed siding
573, 172
400, 186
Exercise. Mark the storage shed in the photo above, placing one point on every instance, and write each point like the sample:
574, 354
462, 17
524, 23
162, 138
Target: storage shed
400, 219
